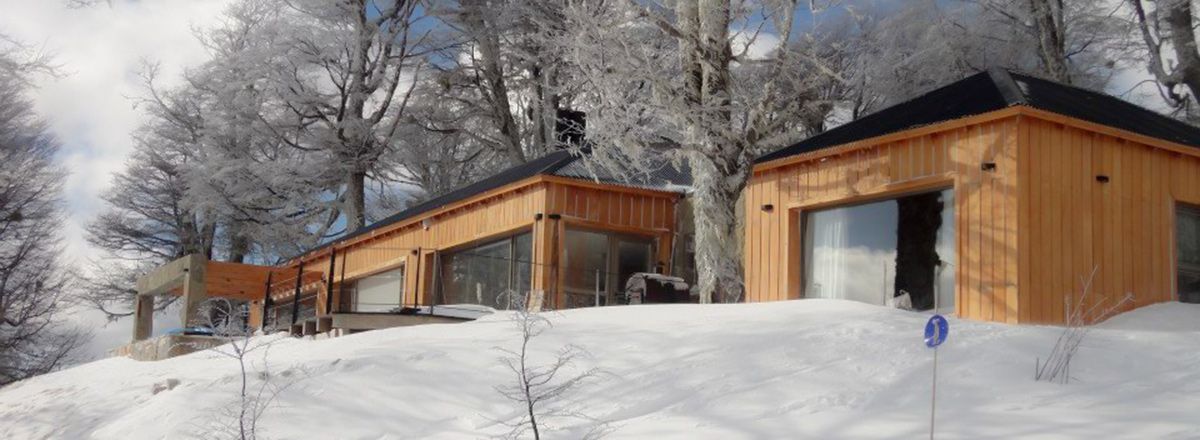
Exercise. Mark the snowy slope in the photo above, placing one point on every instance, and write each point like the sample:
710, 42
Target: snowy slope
800, 369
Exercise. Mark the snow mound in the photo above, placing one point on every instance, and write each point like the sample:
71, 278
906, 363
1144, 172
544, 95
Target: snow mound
798, 369
1163, 317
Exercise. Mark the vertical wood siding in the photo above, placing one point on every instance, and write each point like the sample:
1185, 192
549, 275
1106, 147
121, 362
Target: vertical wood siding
506, 213
630, 211
1124, 229
985, 211
1027, 235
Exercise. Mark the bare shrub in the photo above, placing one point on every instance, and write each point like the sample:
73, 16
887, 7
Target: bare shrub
259, 387
543, 391
1078, 322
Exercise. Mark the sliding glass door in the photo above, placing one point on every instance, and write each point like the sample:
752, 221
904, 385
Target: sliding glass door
598, 264
874, 252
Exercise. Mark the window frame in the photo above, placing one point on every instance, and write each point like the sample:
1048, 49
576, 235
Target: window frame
803, 214
1182, 209
514, 265
614, 238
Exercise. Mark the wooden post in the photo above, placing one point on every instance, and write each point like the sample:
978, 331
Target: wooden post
296, 296
143, 317
266, 308
329, 279
342, 282
194, 289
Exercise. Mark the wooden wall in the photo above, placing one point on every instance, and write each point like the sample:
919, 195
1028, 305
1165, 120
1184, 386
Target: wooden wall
602, 207
1124, 229
503, 212
938, 157
1028, 233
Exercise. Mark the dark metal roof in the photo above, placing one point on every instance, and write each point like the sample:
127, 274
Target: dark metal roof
563, 163
543, 165
994, 90
655, 173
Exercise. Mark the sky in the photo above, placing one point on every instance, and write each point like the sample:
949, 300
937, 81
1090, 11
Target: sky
99, 51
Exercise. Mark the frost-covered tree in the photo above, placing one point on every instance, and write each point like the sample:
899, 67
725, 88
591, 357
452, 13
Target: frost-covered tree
715, 81
33, 337
502, 69
145, 222
351, 69
1167, 29
887, 55
1073, 41
266, 196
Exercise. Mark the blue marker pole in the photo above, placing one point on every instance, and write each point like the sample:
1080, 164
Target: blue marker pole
936, 331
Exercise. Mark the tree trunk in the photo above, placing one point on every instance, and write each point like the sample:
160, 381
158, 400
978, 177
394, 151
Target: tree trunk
718, 254
721, 171
495, 87
1178, 16
239, 244
356, 205
1051, 37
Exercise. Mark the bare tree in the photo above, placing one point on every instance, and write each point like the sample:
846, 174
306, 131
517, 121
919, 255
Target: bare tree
33, 338
1079, 316
145, 222
543, 391
258, 389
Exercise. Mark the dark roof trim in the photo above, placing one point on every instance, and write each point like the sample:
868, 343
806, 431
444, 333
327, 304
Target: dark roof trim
994, 90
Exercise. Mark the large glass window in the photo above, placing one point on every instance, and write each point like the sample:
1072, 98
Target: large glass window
382, 292
1188, 251
876, 251
495, 274
598, 264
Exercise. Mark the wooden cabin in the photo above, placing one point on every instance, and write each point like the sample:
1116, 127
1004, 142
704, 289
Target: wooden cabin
995, 198
551, 233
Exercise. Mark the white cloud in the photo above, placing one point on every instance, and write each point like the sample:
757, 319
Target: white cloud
756, 47
100, 51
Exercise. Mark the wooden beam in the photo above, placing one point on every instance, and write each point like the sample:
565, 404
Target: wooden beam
296, 295
329, 280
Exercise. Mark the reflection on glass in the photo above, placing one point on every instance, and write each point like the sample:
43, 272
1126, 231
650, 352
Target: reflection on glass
632, 257
587, 256
1188, 253
598, 264
873, 252
495, 274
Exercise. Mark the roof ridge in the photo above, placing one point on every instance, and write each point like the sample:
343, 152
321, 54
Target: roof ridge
559, 164
1007, 86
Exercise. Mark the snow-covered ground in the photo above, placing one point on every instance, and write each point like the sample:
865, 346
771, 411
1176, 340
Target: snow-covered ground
801, 369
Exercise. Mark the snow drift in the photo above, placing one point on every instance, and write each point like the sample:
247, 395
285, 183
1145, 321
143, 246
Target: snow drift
799, 369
